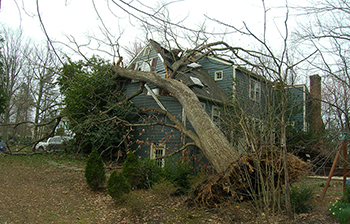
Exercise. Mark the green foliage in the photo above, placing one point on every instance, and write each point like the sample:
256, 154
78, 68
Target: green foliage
94, 171
346, 195
341, 210
145, 174
300, 198
151, 173
132, 170
179, 175
92, 94
117, 185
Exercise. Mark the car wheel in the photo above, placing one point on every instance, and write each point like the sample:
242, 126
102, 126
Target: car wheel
40, 149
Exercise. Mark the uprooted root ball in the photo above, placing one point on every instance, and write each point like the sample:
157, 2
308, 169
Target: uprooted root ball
245, 179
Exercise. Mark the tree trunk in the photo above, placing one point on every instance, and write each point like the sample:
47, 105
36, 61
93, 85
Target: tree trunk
211, 140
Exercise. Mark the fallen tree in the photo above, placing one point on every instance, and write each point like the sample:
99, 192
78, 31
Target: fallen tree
209, 138
249, 177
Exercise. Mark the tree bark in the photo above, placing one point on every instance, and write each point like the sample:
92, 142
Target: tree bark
211, 140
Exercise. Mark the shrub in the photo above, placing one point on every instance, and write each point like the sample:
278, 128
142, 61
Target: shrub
117, 185
342, 211
94, 171
132, 170
179, 175
151, 173
300, 198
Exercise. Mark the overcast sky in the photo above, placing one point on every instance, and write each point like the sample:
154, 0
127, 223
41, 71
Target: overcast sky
78, 18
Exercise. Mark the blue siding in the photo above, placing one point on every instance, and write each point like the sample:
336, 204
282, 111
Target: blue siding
235, 81
212, 66
297, 106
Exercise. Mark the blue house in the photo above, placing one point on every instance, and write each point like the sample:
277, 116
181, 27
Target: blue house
215, 81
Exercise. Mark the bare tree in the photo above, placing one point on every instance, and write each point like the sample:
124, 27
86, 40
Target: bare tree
42, 74
263, 60
14, 49
328, 32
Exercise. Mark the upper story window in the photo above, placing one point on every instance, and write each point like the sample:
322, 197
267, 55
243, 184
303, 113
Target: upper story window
219, 75
215, 114
254, 90
144, 66
147, 51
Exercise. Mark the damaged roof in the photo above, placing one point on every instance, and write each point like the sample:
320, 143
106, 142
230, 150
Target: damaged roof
192, 75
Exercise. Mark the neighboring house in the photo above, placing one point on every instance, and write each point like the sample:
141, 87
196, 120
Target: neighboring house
214, 81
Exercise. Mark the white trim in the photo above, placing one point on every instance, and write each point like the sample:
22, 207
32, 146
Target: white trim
149, 90
233, 80
143, 64
184, 117
222, 75
137, 56
220, 60
254, 96
147, 51
153, 153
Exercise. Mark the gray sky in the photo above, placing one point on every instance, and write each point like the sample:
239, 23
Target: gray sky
77, 18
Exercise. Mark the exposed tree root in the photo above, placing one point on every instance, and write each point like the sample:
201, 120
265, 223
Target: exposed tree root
252, 174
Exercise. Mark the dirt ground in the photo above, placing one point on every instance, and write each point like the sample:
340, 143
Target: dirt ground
36, 190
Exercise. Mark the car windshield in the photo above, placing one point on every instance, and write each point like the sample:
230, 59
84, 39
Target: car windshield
2, 143
59, 139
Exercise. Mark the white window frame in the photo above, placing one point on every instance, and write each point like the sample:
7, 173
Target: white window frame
144, 65
254, 90
147, 51
155, 92
218, 77
158, 150
215, 114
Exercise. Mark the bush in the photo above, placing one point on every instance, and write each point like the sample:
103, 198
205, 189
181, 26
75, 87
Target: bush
151, 173
179, 175
117, 185
94, 171
132, 170
300, 198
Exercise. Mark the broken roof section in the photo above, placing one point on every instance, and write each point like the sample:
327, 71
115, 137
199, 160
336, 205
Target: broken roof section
191, 74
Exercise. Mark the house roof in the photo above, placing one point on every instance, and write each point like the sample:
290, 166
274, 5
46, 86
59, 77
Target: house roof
192, 75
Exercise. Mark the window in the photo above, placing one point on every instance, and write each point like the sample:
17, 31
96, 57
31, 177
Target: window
144, 66
254, 90
158, 150
219, 75
147, 51
155, 92
215, 114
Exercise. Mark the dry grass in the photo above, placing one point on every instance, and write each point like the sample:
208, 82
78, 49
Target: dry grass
36, 191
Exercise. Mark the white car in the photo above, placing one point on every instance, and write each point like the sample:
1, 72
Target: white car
56, 143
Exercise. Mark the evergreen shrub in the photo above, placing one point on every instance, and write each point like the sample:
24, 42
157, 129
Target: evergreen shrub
117, 185
151, 173
300, 198
179, 175
132, 170
94, 171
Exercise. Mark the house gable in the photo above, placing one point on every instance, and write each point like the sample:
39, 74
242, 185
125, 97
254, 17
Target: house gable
213, 80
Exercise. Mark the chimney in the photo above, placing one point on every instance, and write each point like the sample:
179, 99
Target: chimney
316, 122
